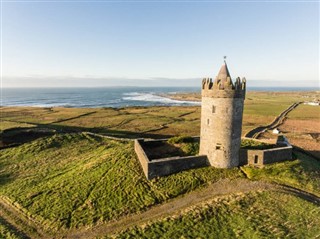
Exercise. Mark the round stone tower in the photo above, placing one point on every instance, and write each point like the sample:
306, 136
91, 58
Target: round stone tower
221, 119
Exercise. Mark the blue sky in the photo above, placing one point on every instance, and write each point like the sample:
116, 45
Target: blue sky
103, 43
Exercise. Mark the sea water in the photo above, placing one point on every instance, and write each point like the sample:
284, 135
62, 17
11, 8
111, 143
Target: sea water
103, 97
93, 97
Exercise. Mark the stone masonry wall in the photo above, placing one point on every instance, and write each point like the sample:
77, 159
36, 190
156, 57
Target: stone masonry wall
221, 124
166, 166
267, 156
144, 161
277, 155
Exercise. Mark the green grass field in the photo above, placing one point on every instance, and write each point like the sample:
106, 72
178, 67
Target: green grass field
7, 232
303, 173
305, 112
72, 180
256, 215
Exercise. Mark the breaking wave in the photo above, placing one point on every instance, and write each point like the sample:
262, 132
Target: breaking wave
151, 97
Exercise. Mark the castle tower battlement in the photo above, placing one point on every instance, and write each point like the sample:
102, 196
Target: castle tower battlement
222, 86
221, 118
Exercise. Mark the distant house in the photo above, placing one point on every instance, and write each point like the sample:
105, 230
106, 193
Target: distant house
314, 103
276, 131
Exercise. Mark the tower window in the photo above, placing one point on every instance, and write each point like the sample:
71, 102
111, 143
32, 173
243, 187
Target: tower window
256, 159
208, 121
213, 109
218, 146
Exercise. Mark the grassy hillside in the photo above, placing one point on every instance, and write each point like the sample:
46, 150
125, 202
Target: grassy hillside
6, 231
72, 180
256, 215
303, 173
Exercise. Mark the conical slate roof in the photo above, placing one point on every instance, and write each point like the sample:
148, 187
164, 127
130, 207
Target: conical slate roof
223, 73
223, 79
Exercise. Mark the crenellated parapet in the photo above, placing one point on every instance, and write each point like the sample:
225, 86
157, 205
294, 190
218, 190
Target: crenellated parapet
224, 88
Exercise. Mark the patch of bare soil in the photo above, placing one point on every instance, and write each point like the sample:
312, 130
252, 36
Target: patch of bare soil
304, 134
301, 126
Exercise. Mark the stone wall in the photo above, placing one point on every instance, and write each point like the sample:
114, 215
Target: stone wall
144, 161
243, 157
259, 158
277, 155
166, 166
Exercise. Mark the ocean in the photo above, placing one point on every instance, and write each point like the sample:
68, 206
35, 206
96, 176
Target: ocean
93, 97
104, 96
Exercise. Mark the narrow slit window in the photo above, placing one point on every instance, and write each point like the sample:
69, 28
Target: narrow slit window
208, 121
218, 146
256, 159
213, 109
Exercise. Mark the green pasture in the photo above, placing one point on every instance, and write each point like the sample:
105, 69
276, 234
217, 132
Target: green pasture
254, 215
73, 180
305, 112
7, 232
303, 173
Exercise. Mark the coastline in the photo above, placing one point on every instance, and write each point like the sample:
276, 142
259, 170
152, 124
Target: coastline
196, 96
136, 99
120, 97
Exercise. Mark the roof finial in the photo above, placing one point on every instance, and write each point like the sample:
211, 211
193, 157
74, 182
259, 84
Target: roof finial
225, 57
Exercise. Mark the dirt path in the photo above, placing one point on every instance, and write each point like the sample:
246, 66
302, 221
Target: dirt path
254, 133
18, 221
29, 228
7, 222
221, 188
